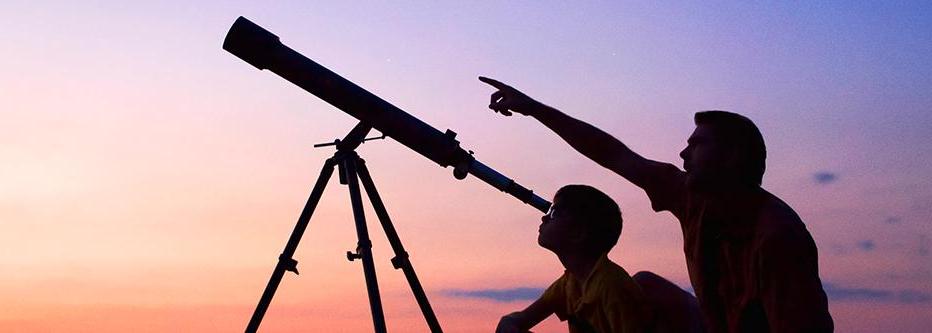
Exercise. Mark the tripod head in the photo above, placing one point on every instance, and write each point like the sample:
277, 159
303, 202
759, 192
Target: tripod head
353, 139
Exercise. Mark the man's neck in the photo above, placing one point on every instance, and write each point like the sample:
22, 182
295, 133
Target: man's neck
734, 203
580, 265
724, 188
729, 192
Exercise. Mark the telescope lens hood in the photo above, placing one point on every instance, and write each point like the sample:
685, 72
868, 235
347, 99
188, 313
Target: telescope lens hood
251, 43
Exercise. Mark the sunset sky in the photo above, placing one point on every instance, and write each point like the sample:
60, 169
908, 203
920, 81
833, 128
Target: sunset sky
150, 179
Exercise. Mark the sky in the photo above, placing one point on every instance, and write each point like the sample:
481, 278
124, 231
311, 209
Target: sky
149, 179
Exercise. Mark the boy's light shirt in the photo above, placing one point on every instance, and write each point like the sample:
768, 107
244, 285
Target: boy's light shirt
608, 301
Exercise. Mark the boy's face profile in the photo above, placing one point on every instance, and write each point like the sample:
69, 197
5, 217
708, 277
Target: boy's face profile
558, 229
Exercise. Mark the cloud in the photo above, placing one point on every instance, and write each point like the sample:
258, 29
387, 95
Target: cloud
893, 220
907, 296
854, 294
866, 245
923, 245
834, 292
824, 177
840, 249
914, 296
498, 295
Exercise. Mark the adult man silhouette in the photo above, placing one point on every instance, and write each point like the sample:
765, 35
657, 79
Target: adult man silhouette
751, 261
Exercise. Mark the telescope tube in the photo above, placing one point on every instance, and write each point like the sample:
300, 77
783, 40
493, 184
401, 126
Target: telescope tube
264, 50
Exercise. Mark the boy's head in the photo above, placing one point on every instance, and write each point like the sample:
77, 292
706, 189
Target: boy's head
582, 218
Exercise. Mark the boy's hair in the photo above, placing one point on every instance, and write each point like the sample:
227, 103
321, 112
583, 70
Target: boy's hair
598, 213
738, 132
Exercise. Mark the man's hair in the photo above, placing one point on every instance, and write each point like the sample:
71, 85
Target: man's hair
597, 212
739, 133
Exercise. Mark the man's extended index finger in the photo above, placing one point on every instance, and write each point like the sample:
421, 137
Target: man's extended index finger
495, 83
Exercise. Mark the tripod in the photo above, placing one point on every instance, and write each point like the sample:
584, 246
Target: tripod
352, 170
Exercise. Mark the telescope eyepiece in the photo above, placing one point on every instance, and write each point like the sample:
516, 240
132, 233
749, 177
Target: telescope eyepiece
250, 42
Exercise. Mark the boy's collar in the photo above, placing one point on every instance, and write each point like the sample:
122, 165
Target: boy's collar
599, 265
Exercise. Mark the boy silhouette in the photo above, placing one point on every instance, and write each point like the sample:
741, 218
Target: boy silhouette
594, 294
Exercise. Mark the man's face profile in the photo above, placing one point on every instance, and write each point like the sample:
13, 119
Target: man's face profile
705, 160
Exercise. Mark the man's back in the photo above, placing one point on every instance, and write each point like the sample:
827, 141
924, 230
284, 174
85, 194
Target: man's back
754, 269
751, 261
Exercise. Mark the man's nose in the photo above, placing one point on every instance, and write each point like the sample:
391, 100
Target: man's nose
684, 153
543, 219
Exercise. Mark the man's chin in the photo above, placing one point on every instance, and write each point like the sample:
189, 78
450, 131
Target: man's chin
697, 183
693, 183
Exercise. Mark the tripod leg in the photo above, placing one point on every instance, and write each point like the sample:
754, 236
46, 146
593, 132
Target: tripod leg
401, 257
364, 248
285, 262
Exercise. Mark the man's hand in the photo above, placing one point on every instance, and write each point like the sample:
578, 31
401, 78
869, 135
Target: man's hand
507, 99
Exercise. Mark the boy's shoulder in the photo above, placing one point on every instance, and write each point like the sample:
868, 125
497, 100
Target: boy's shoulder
607, 279
612, 281
611, 274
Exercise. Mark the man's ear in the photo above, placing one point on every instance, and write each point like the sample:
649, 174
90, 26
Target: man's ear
732, 158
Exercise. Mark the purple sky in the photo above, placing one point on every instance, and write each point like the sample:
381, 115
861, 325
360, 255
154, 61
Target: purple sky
150, 173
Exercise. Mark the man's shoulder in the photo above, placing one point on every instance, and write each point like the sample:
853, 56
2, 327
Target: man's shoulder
779, 225
665, 186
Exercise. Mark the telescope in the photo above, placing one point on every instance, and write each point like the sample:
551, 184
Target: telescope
264, 50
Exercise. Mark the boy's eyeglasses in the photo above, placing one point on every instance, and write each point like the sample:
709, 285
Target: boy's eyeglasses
551, 211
